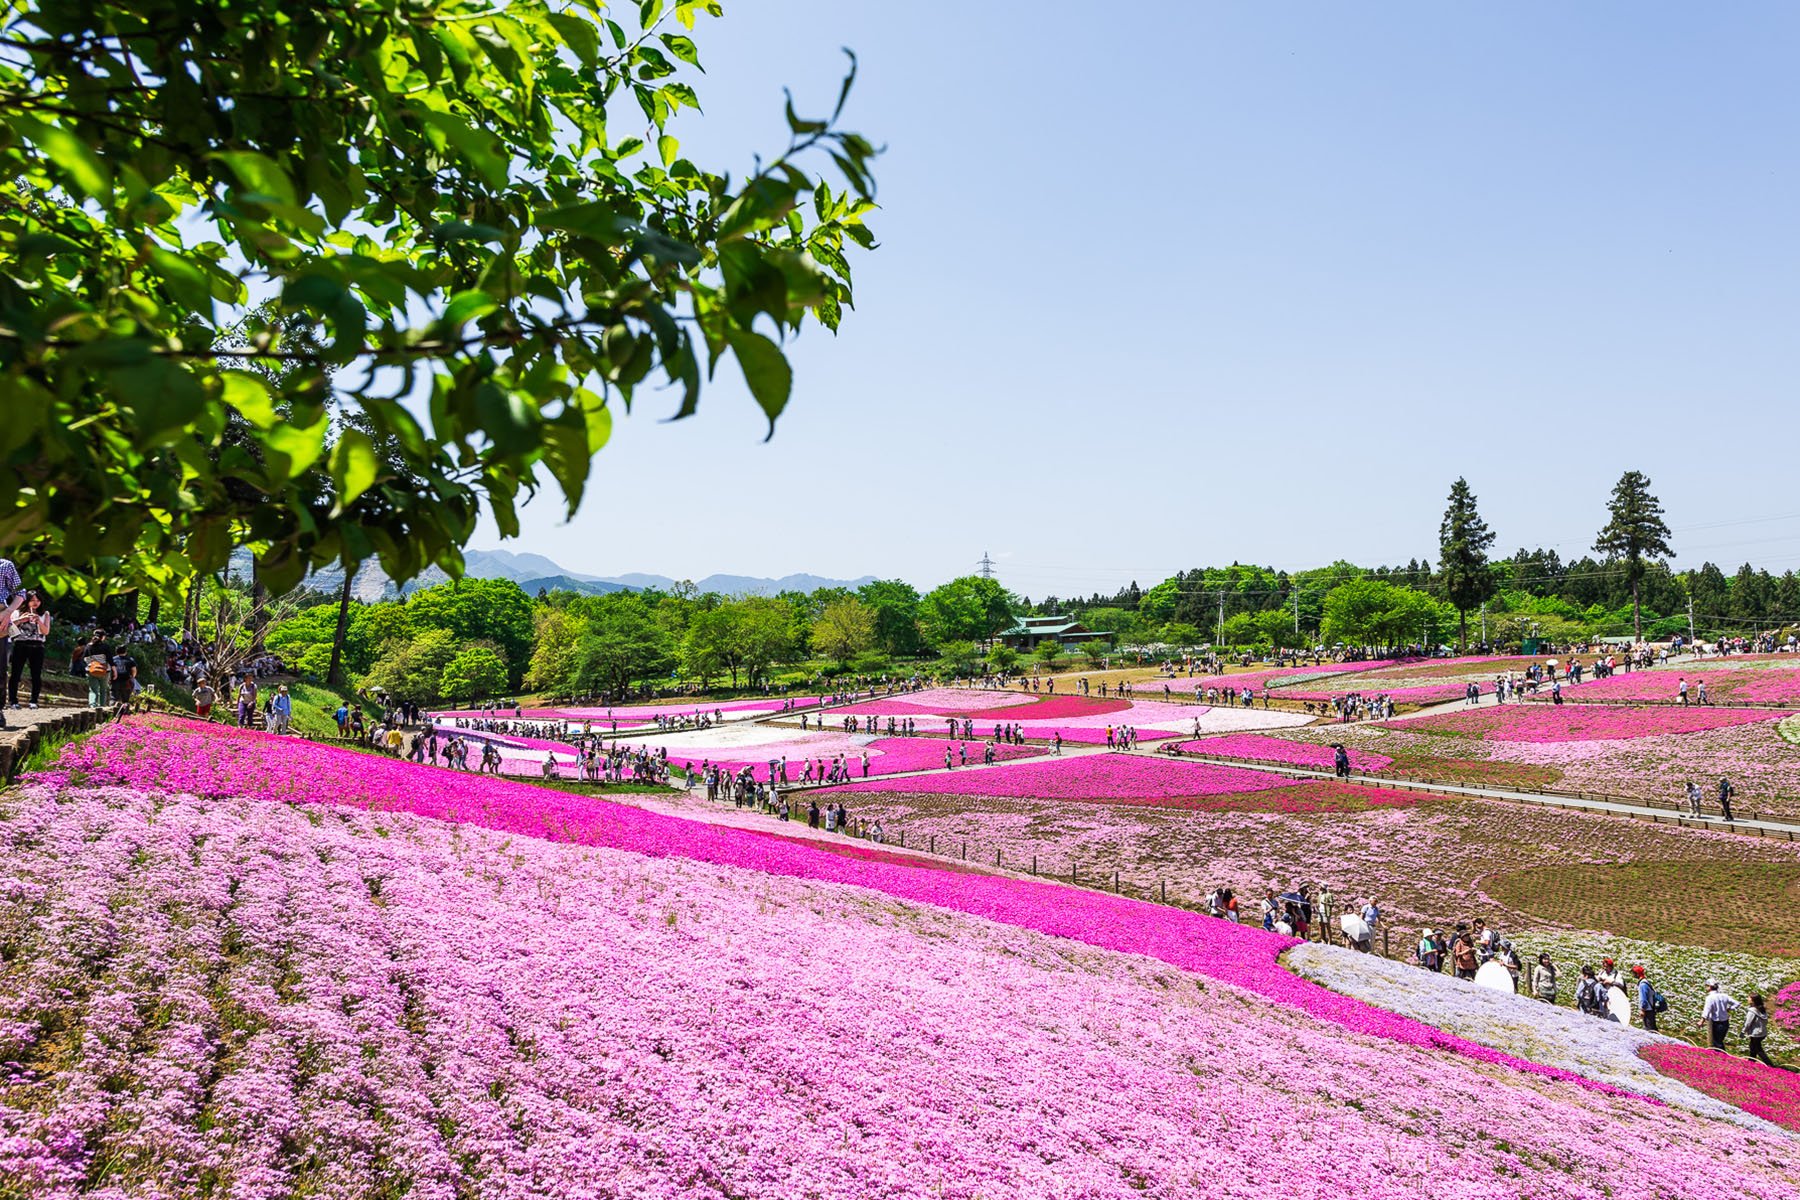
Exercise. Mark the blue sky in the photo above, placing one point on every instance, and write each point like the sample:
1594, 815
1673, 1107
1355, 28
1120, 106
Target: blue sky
1249, 282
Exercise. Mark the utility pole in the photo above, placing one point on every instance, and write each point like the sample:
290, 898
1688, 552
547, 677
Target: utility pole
985, 566
1219, 638
1692, 636
1484, 622
1296, 610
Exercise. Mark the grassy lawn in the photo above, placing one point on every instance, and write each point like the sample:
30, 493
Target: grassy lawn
1746, 907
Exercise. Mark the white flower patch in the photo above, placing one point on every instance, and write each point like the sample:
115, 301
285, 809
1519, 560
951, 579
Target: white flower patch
1555, 1037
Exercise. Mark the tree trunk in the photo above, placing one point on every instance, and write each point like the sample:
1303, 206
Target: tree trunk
334, 676
1463, 636
155, 608
259, 610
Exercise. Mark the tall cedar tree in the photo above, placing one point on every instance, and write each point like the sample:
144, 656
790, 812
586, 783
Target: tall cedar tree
1463, 541
1635, 531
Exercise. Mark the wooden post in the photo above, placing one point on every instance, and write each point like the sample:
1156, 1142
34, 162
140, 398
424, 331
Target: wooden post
965, 852
1074, 873
1163, 886
996, 858
934, 843
1034, 864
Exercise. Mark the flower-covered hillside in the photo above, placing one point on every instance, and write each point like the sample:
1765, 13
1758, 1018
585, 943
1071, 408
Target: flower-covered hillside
237, 997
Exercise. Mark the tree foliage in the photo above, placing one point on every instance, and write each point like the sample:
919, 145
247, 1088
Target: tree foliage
969, 609
481, 210
473, 674
1634, 532
1463, 541
844, 629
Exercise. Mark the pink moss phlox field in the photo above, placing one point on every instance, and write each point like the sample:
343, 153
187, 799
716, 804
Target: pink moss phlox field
1740, 681
1269, 678
277, 1002
1761, 1091
184, 757
1123, 779
1260, 747
887, 756
1784, 1007
1579, 722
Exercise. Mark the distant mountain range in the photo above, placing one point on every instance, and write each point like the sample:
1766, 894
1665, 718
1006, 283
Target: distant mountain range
533, 571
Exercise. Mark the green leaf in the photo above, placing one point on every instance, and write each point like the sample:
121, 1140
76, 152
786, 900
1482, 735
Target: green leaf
250, 396
682, 48
463, 231
353, 467
188, 284
82, 165
482, 150
257, 173
765, 369
163, 396
597, 220
668, 147
580, 35
291, 449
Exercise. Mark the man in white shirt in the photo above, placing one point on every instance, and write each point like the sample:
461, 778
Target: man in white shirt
1716, 1012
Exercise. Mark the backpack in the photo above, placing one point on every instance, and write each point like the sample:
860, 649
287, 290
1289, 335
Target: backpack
97, 668
1657, 1003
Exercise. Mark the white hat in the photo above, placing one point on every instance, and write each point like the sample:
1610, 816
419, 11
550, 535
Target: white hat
1712, 983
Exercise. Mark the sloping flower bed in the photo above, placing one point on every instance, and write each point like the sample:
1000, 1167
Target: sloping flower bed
1600, 1050
176, 755
1578, 723
1743, 681
236, 998
1763, 1091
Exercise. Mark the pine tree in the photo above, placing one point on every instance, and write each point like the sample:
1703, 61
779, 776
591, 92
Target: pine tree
1634, 531
1463, 541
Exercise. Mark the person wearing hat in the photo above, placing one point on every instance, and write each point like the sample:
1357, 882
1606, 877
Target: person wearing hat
281, 710
1716, 1013
1430, 957
1609, 975
204, 698
1463, 956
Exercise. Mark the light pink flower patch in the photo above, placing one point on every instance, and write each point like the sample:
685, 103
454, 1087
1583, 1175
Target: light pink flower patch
1579, 722
182, 756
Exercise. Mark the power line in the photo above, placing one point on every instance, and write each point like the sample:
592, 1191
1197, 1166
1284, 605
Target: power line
986, 566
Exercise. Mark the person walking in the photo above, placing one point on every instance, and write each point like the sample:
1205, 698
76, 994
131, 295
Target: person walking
204, 698
1726, 792
1756, 1028
1715, 1013
1650, 1001
246, 701
12, 597
1543, 980
124, 676
30, 626
281, 711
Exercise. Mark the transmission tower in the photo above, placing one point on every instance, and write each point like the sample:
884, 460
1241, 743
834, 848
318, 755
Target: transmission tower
985, 566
